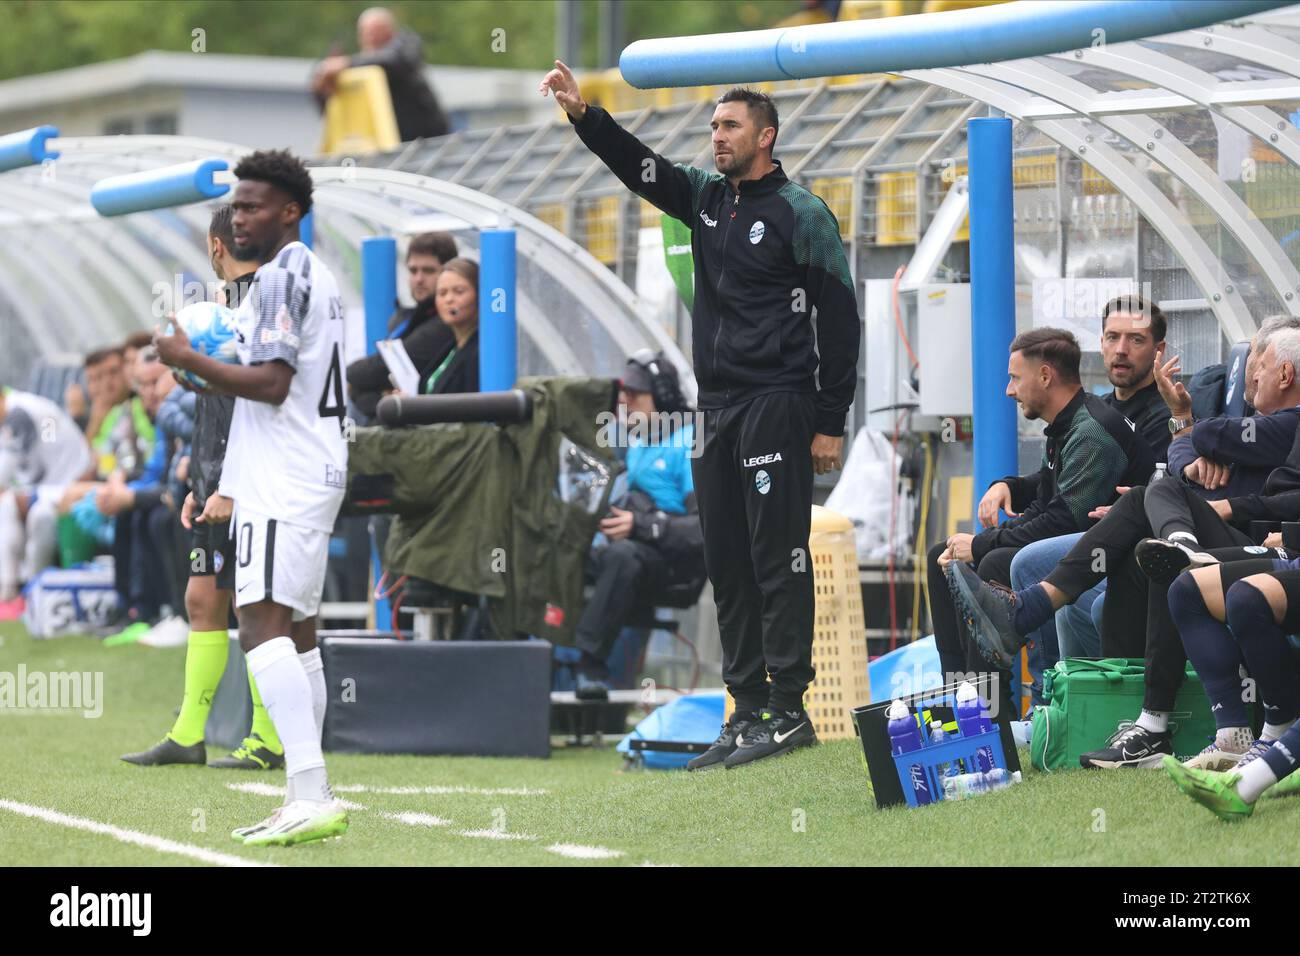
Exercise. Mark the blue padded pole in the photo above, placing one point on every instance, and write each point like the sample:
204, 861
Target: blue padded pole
992, 297
378, 286
26, 147
497, 334
379, 295
925, 41
307, 230
158, 188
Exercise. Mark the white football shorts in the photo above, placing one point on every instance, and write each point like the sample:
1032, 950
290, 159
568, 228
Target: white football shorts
278, 561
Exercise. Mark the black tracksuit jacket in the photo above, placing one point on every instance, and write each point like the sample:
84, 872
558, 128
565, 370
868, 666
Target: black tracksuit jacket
764, 259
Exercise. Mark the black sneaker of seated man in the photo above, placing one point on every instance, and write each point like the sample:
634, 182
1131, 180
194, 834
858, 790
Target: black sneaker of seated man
591, 681
775, 732
997, 618
1163, 559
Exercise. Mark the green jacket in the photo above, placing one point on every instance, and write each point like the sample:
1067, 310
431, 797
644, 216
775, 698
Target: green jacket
479, 505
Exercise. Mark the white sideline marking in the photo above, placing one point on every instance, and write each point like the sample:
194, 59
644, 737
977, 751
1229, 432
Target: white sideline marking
417, 819
161, 844
578, 852
271, 790
442, 791
496, 835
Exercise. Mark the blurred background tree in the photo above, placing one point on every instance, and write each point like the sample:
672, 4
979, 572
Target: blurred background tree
44, 35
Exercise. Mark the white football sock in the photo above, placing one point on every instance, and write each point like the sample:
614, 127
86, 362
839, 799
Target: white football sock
1185, 537
286, 692
315, 668
11, 546
1274, 731
42, 538
1256, 777
1156, 721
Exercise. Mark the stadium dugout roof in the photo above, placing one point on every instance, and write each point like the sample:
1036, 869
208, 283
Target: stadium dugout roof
1184, 146
72, 280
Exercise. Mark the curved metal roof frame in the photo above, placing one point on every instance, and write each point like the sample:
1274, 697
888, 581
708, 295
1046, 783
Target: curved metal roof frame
1061, 107
1167, 150
1164, 216
357, 201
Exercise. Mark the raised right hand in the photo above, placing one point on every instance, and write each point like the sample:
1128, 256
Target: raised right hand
561, 82
1173, 392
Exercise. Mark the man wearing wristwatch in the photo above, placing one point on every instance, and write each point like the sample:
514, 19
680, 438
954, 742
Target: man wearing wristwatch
1150, 529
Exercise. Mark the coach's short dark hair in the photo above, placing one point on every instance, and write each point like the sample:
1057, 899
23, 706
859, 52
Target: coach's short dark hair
440, 245
222, 225
1136, 305
1055, 347
759, 103
281, 169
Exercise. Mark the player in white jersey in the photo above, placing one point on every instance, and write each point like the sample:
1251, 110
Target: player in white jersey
41, 452
286, 469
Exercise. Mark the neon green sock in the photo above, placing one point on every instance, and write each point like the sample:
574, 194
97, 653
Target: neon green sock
262, 725
205, 662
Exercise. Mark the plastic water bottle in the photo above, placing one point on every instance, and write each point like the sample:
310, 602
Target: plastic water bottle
905, 737
1161, 470
937, 736
973, 784
971, 721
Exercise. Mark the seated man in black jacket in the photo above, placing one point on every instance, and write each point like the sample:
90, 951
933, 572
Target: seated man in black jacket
1142, 542
422, 333
1091, 448
654, 538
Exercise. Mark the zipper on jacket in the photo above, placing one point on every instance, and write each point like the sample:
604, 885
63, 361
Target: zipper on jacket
722, 270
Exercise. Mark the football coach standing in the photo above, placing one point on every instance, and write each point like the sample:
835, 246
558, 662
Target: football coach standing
773, 391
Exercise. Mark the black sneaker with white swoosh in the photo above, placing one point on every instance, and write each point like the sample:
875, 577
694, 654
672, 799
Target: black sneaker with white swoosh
1131, 746
778, 732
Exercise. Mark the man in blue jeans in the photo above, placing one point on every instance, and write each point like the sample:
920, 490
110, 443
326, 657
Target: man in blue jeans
1132, 341
1205, 457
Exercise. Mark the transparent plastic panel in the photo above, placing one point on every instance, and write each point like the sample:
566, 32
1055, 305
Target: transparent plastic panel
583, 478
1219, 65
1103, 81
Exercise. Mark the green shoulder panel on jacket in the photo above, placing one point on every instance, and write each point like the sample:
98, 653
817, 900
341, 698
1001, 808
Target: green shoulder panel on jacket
1091, 465
699, 179
817, 241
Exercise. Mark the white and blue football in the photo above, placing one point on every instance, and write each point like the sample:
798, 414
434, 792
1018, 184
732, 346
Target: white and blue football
211, 331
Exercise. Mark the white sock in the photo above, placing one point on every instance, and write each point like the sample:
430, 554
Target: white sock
1274, 731
315, 668
11, 546
1156, 721
1185, 537
1234, 740
286, 692
1256, 777
42, 538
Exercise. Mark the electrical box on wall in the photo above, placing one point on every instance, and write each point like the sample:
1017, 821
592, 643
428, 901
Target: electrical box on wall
943, 327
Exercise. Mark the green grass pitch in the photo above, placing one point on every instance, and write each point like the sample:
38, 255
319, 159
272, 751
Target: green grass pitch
809, 808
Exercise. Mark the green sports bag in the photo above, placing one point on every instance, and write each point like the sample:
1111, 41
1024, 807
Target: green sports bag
1089, 700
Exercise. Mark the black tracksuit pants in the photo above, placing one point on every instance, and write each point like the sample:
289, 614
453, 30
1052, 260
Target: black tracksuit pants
960, 658
756, 514
1135, 619
627, 576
